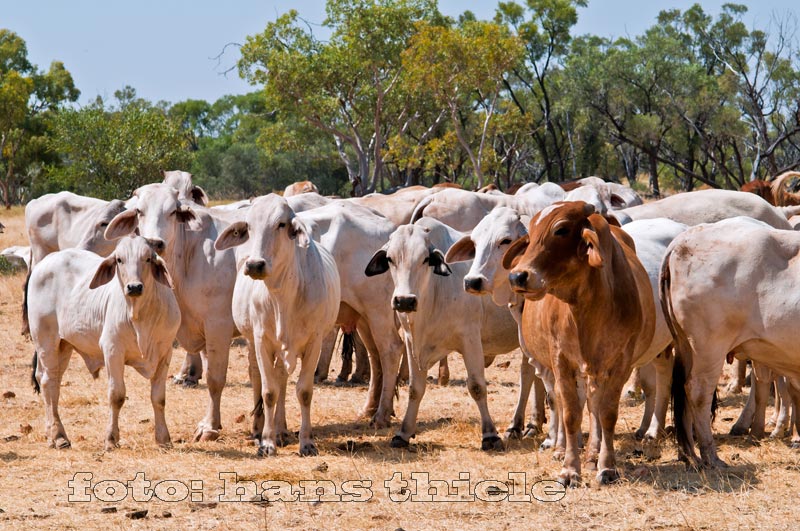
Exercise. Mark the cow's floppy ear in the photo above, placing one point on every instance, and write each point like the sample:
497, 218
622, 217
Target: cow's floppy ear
517, 248
436, 261
185, 214
378, 264
591, 245
297, 229
105, 272
160, 272
123, 224
461, 251
199, 195
234, 235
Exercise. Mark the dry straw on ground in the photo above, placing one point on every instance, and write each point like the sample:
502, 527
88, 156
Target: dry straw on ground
759, 490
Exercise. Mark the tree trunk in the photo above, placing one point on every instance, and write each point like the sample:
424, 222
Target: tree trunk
654, 174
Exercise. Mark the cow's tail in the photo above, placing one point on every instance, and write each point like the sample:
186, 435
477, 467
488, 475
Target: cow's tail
682, 366
34, 380
419, 210
26, 327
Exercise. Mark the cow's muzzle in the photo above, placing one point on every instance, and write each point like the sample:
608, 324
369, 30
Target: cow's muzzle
404, 303
474, 285
256, 269
134, 289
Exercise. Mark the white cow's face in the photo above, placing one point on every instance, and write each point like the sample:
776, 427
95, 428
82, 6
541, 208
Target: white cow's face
412, 260
486, 246
273, 231
156, 217
135, 265
94, 240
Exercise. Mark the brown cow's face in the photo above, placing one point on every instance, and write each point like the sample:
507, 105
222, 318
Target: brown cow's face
561, 244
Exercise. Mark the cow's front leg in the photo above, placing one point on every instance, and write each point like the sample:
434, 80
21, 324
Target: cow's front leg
271, 383
476, 384
567, 393
527, 374
416, 390
603, 399
255, 381
305, 392
158, 397
115, 367
663, 365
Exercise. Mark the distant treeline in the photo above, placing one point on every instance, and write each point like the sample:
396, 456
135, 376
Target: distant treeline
394, 94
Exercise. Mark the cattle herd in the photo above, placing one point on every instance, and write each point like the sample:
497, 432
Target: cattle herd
585, 279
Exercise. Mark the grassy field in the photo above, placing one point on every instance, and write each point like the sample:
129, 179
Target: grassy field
657, 492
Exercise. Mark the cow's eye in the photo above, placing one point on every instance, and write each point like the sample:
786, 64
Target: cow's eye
505, 241
281, 225
119, 260
563, 231
104, 224
390, 260
148, 260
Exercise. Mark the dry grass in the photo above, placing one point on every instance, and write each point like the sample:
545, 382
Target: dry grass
655, 493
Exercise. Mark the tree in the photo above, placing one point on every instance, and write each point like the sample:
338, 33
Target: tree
109, 151
463, 68
344, 86
533, 85
28, 98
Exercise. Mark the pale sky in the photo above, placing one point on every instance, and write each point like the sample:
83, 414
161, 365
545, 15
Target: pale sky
165, 49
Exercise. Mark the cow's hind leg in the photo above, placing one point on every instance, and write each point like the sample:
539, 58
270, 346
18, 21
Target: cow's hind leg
53, 360
218, 344
191, 370
527, 374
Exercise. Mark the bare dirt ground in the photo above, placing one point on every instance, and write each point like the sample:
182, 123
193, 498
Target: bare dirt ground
759, 490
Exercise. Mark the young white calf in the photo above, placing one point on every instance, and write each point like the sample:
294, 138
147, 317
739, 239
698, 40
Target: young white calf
73, 305
285, 303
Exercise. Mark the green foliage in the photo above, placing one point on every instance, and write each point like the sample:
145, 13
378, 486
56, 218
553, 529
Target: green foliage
109, 151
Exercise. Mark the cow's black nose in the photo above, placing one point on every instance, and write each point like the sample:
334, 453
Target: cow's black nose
518, 278
134, 289
473, 284
255, 268
405, 303
156, 244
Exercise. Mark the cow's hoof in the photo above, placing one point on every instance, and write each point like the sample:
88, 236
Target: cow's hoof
513, 433
398, 442
190, 383
493, 443
795, 445
546, 444
62, 443
532, 430
283, 439
739, 430
569, 478
379, 423
167, 445
209, 436
607, 476
267, 449
559, 454
639, 435
309, 449
111, 446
